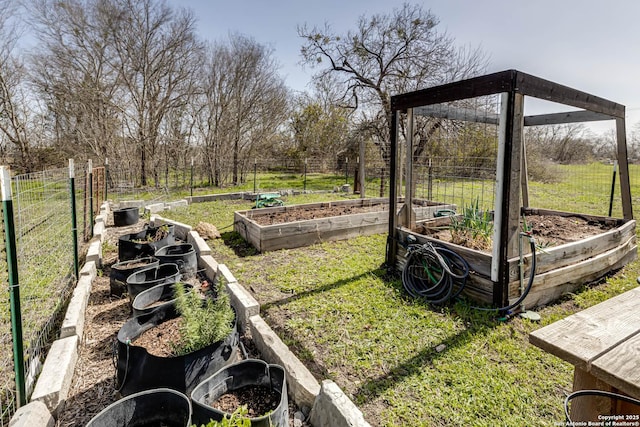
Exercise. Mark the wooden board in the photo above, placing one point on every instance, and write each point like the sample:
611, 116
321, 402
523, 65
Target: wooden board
307, 232
575, 252
585, 271
584, 336
620, 367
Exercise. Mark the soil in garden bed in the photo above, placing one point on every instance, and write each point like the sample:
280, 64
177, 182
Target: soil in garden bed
302, 214
547, 230
260, 400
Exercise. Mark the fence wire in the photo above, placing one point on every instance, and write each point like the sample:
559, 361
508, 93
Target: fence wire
44, 245
258, 175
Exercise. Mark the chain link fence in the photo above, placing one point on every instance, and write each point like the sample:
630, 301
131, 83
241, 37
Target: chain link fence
45, 258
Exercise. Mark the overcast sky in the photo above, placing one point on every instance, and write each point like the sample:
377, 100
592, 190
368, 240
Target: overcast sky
590, 45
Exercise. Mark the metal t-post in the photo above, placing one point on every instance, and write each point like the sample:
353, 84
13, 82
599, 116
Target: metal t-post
305, 176
74, 218
613, 186
346, 170
14, 286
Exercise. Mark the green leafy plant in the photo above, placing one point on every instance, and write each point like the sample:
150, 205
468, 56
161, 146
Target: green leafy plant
473, 225
237, 419
203, 321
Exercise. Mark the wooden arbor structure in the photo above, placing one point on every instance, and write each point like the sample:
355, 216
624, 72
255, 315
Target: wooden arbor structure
511, 189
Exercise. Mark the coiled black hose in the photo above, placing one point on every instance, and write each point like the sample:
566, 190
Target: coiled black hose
434, 273
438, 275
602, 393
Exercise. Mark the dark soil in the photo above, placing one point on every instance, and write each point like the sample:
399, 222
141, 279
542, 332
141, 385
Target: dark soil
260, 400
160, 340
301, 214
547, 230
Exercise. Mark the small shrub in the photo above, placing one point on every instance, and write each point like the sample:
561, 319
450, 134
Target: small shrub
203, 321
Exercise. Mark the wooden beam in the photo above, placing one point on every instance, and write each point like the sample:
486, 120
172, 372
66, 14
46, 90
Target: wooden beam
549, 91
566, 117
524, 179
410, 218
507, 204
623, 163
393, 200
361, 171
507, 81
489, 84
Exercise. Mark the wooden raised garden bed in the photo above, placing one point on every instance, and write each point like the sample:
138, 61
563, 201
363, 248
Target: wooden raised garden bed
604, 245
286, 227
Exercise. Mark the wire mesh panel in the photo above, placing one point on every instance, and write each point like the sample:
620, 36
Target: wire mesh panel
7, 379
44, 247
454, 149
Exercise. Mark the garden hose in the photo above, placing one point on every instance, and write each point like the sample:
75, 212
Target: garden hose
434, 273
602, 393
438, 275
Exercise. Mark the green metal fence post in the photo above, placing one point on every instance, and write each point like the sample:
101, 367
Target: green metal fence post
14, 286
74, 218
90, 187
255, 172
613, 187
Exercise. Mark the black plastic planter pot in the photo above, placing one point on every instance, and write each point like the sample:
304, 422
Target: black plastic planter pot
122, 270
184, 255
150, 299
159, 407
145, 242
126, 216
152, 276
251, 372
138, 370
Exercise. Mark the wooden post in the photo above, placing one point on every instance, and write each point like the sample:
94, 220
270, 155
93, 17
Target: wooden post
525, 176
409, 216
361, 168
393, 202
507, 203
625, 188
588, 408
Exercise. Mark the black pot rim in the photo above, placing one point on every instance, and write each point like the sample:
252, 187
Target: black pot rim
267, 366
161, 390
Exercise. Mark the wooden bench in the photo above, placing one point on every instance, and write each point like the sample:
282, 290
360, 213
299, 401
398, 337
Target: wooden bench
603, 343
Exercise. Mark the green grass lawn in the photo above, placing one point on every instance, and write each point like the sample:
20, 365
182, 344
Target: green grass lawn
402, 362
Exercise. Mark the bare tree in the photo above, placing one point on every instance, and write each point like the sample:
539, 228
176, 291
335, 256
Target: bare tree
568, 143
385, 55
157, 55
243, 106
72, 72
15, 112
320, 127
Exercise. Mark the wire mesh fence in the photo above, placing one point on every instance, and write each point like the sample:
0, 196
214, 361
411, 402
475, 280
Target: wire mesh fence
592, 188
45, 259
258, 175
